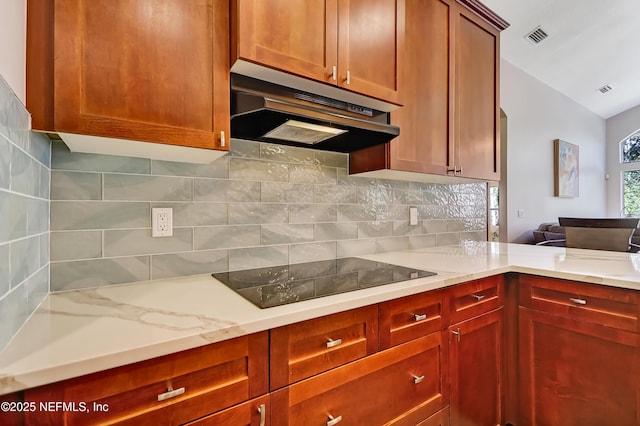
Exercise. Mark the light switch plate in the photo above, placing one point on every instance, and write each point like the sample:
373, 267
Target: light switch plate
413, 215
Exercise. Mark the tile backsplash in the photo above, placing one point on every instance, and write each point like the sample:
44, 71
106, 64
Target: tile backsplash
24, 215
261, 205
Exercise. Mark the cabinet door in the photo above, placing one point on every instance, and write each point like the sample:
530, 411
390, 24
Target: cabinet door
423, 145
256, 412
145, 70
477, 107
577, 373
370, 45
475, 348
401, 385
299, 37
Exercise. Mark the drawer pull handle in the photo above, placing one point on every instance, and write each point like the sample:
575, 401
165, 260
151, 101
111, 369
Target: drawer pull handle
578, 301
333, 420
170, 393
418, 379
223, 140
331, 343
478, 297
457, 333
263, 414
420, 317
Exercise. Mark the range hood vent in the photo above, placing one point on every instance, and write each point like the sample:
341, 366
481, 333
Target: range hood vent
268, 112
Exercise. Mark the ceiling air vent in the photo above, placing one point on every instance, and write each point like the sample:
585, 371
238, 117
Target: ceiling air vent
605, 89
536, 35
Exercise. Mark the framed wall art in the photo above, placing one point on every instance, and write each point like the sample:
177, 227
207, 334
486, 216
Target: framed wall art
566, 169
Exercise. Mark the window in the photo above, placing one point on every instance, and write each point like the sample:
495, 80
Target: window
494, 212
630, 153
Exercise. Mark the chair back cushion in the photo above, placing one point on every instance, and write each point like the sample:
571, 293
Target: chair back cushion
613, 239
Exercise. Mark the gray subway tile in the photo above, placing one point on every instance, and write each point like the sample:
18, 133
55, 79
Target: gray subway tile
347, 248
5, 261
37, 216
147, 188
332, 159
244, 148
258, 213
288, 154
248, 169
23, 262
337, 194
286, 233
13, 211
402, 227
40, 148
45, 183
375, 229
217, 169
355, 212
14, 311
68, 215
75, 245
139, 241
315, 174
384, 245
14, 118
45, 255
434, 226
37, 288
447, 239
196, 214
421, 241
76, 185
393, 183
217, 237
310, 213
435, 197
280, 192
5, 163
222, 190
455, 225
335, 231
433, 212
311, 252
25, 173
345, 179
189, 263
98, 272
258, 257
63, 159
473, 236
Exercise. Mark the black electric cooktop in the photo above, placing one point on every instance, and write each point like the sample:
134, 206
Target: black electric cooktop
279, 285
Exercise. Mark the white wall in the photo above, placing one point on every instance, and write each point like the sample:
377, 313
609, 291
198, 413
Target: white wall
619, 127
13, 19
536, 115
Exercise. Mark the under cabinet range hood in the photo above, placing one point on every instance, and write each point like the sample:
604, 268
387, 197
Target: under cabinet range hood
268, 112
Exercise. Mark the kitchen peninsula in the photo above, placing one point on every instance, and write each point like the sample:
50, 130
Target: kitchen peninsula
81, 332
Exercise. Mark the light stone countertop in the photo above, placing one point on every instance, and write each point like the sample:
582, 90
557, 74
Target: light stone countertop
80, 332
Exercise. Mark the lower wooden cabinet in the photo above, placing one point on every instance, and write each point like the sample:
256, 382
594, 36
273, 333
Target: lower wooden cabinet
401, 385
256, 412
578, 373
441, 418
476, 370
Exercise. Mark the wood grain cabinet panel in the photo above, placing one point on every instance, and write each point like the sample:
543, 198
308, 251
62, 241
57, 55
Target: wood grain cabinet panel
303, 349
395, 386
577, 373
411, 317
146, 70
256, 412
477, 377
475, 297
173, 389
310, 38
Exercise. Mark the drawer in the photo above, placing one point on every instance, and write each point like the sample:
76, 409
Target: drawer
475, 298
400, 386
310, 347
609, 306
168, 390
441, 418
256, 412
408, 318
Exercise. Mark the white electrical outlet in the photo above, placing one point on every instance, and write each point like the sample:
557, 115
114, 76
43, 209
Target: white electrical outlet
413, 216
161, 222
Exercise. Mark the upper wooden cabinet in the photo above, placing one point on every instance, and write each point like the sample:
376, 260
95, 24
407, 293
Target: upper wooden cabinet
354, 44
449, 124
144, 70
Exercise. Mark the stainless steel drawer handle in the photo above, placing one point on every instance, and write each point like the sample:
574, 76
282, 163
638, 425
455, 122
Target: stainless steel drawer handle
420, 317
418, 379
578, 301
457, 333
263, 414
478, 297
331, 343
170, 393
333, 420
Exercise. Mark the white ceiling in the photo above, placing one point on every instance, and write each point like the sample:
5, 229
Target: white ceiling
591, 43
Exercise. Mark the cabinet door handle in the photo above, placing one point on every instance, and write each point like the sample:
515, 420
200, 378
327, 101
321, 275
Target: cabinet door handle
223, 140
331, 343
170, 393
333, 420
457, 333
420, 317
418, 379
334, 73
478, 297
263, 414
578, 301
348, 80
